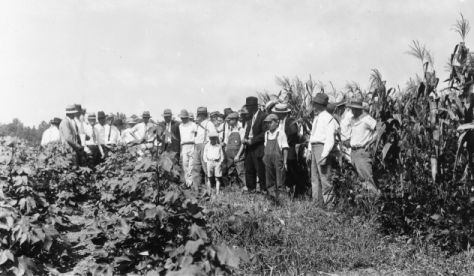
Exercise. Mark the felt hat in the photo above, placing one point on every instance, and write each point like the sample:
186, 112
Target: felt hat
321, 99
233, 115
271, 117
251, 101
213, 134
201, 110
281, 108
71, 109
331, 107
167, 112
55, 121
357, 104
214, 113
184, 114
227, 111
78, 107
146, 114
100, 115
244, 110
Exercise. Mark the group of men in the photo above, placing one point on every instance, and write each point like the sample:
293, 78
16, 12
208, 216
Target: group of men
252, 147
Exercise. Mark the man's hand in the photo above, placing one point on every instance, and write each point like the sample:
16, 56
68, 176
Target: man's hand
88, 137
285, 166
237, 159
347, 143
308, 155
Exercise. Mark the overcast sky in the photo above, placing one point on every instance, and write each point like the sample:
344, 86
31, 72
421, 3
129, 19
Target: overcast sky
131, 56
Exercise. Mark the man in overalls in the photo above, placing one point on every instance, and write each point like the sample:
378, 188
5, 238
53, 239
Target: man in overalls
234, 150
275, 157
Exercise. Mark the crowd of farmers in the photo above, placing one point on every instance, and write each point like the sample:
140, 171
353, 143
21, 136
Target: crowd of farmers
257, 148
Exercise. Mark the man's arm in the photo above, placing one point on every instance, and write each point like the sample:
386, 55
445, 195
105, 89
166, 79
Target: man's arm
330, 140
260, 137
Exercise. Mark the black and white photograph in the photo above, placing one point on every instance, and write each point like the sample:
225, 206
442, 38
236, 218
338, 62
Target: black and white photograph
252, 137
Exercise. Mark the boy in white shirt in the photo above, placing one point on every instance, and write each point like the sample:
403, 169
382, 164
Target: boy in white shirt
213, 158
275, 156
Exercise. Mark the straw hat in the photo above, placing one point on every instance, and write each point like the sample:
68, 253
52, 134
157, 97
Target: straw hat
184, 114
281, 108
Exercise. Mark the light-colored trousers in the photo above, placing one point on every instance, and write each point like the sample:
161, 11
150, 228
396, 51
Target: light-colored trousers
362, 161
187, 152
321, 176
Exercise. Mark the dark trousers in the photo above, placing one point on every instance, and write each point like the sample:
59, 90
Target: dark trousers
290, 177
254, 167
274, 174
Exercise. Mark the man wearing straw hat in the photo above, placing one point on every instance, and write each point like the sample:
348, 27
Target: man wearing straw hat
362, 135
320, 151
290, 128
51, 135
203, 127
187, 131
70, 134
171, 138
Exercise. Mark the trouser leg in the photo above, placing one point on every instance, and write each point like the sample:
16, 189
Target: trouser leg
326, 179
316, 186
363, 164
260, 166
198, 166
240, 172
250, 171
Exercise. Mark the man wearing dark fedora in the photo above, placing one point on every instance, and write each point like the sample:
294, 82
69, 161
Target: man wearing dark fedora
362, 136
290, 127
321, 151
171, 137
254, 140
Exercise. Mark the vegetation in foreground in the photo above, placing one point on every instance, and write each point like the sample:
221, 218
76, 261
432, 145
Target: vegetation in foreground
297, 238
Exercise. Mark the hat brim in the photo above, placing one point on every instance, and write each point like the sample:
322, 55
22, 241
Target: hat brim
355, 106
281, 111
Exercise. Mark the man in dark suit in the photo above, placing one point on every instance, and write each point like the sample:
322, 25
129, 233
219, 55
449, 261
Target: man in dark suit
254, 141
290, 127
171, 137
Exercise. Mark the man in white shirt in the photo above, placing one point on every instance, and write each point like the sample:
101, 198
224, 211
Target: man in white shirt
320, 147
89, 129
144, 130
128, 136
203, 127
51, 135
346, 119
70, 135
112, 133
362, 135
187, 131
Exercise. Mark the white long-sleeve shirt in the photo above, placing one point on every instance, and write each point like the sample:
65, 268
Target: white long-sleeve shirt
89, 131
362, 130
346, 124
142, 131
50, 135
202, 131
187, 132
106, 134
323, 131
